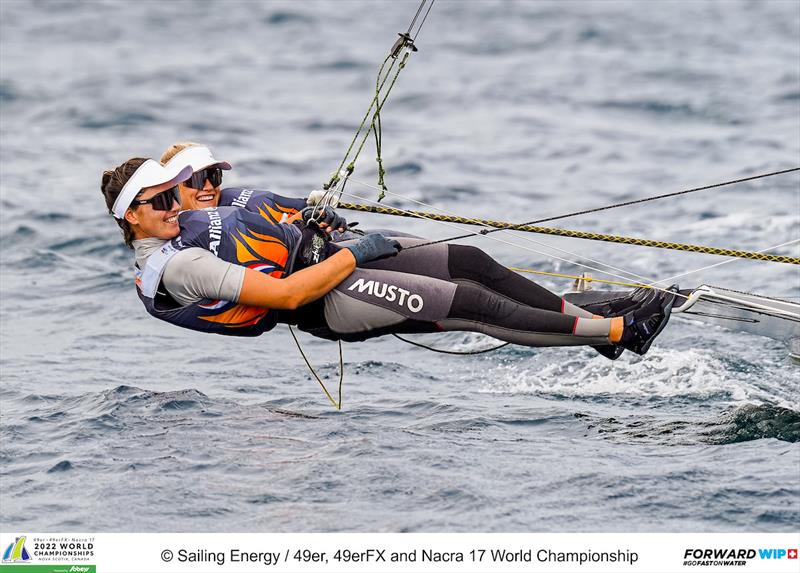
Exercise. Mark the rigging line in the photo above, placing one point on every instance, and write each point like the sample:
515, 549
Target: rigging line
375, 100
425, 17
414, 21
523, 247
380, 105
453, 352
644, 200
404, 43
588, 279
725, 262
571, 233
337, 405
641, 278
645, 285
523, 237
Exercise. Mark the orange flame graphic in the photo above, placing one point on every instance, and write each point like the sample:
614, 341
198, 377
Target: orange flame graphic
239, 316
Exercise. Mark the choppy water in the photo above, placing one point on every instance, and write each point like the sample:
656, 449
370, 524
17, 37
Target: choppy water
112, 421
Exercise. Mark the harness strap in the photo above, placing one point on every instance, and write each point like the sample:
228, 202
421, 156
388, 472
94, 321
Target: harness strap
150, 277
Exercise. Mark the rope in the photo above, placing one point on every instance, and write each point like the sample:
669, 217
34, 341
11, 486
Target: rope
583, 278
634, 202
453, 352
425, 17
528, 239
725, 262
339, 178
414, 21
337, 405
404, 43
502, 225
337, 174
376, 120
577, 259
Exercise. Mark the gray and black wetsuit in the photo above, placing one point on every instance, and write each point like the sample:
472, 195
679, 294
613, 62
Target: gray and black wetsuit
445, 288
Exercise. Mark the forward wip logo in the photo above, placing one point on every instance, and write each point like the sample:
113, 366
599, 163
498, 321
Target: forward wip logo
16, 552
777, 553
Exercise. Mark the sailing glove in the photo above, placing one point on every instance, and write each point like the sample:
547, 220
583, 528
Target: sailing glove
317, 195
324, 215
373, 247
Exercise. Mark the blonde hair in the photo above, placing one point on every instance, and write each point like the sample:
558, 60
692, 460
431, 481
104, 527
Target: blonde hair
173, 149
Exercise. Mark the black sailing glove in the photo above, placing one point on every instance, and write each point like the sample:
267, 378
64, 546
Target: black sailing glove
324, 217
373, 247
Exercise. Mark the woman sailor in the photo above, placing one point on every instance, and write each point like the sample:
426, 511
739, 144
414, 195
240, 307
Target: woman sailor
203, 189
224, 270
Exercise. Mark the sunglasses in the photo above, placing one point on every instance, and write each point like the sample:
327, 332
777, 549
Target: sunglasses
162, 201
198, 178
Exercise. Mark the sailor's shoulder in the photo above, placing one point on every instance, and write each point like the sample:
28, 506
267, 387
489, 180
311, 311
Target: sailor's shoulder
240, 196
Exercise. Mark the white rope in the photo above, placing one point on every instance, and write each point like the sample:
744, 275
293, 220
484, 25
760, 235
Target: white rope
725, 262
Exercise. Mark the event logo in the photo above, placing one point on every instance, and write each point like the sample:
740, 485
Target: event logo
16, 552
777, 553
733, 557
718, 557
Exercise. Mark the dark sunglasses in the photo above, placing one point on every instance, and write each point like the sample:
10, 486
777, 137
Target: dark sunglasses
198, 178
162, 201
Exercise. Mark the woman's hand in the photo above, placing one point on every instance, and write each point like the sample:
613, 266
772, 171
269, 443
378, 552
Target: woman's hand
319, 195
325, 218
373, 247
298, 289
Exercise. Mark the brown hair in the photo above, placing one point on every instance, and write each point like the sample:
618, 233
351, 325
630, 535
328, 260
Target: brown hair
173, 150
111, 187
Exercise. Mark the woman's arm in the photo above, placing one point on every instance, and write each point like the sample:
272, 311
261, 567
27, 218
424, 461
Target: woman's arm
299, 288
316, 281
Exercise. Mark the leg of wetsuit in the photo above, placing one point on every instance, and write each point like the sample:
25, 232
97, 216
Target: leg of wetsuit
374, 302
467, 264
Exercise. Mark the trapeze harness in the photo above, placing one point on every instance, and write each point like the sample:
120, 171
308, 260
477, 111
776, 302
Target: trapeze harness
234, 235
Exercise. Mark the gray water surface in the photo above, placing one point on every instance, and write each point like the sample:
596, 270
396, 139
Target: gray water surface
113, 421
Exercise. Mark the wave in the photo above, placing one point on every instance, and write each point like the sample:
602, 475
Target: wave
739, 424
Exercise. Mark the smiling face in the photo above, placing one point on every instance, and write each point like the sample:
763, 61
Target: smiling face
147, 222
208, 196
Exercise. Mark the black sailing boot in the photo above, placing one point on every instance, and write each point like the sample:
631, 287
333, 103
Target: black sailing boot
645, 323
617, 307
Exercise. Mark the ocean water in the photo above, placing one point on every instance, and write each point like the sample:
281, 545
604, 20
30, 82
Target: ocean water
113, 421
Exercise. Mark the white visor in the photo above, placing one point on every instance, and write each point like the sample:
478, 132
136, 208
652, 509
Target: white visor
198, 157
149, 174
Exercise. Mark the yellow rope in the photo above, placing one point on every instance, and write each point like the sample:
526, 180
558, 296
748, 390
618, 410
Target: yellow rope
573, 234
587, 279
337, 405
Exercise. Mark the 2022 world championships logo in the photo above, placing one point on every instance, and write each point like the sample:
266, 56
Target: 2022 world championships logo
16, 552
